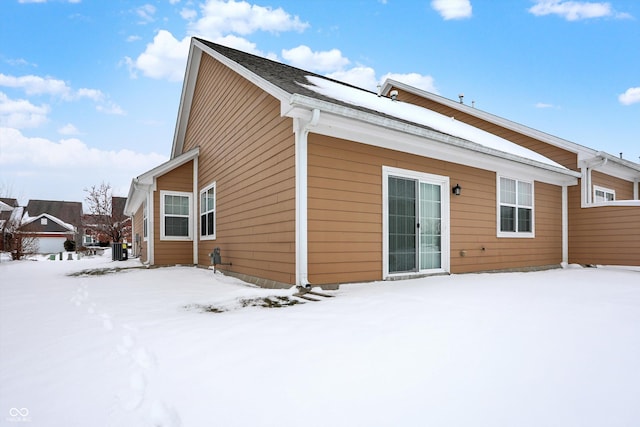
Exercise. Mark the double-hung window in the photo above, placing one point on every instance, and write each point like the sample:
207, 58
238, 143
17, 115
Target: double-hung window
208, 212
175, 212
145, 221
603, 195
515, 208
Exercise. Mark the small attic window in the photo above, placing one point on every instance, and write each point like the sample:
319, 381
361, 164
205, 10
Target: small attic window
43, 221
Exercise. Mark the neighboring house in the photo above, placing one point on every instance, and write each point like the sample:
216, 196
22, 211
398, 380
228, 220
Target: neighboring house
603, 211
7, 211
52, 222
102, 229
300, 179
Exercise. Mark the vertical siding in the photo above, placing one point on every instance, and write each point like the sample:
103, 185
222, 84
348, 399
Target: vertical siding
168, 252
564, 157
248, 150
345, 214
139, 249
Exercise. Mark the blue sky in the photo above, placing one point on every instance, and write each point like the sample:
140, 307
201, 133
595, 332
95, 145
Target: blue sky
89, 90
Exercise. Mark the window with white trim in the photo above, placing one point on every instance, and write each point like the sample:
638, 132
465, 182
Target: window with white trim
175, 214
603, 195
145, 221
208, 212
515, 208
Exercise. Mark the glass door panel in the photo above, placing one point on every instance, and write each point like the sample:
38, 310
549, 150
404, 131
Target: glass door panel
402, 225
430, 226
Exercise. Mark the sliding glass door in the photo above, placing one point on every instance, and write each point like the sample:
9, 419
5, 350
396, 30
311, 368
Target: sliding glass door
415, 213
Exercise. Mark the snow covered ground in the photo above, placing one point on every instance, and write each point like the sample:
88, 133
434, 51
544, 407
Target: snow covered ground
138, 348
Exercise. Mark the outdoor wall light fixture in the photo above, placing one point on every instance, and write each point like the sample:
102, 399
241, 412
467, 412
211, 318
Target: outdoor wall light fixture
456, 190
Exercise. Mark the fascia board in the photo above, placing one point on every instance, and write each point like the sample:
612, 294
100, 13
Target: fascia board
149, 176
140, 185
347, 123
58, 221
186, 98
191, 75
500, 121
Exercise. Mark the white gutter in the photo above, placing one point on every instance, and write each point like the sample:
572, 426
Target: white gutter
351, 113
301, 129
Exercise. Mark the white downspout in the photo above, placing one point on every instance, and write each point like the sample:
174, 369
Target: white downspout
196, 216
301, 129
587, 187
565, 225
636, 189
150, 227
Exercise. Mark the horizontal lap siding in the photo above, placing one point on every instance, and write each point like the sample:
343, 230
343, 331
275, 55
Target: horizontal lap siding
248, 150
345, 214
603, 235
169, 252
140, 248
623, 188
564, 157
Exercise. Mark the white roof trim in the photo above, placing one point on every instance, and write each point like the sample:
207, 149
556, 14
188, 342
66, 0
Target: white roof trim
191, 75
140, 185
29, 219
580, 150
391, 125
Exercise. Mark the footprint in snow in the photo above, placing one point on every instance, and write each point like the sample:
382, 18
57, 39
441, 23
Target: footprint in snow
162, 415
106, 321
125, 346
132, 398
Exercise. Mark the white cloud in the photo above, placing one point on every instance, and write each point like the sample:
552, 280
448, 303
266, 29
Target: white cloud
36, 85
188, 14
545, 105
576, 10
325, 61
453, 9
364, 77
21, 113
414, 79
174, 1
133, 38
631, 96
241, 17
56, 169
164, 58
146, 12
68, 129
110, 107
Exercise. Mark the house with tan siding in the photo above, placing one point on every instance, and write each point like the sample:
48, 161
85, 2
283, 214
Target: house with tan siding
303, 180
604, 209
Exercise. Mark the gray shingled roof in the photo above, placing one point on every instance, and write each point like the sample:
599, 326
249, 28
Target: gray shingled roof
69, 212
292, 79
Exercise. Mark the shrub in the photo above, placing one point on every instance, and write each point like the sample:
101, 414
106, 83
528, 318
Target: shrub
69, 245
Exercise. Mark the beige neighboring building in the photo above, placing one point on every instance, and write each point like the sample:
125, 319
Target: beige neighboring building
300, 179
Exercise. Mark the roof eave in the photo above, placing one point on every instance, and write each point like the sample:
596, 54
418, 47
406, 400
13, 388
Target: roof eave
305, 102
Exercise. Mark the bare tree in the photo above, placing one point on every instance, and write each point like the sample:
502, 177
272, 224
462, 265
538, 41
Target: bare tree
106, 222
19, 243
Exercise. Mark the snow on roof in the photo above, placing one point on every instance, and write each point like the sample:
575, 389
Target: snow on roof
421, 116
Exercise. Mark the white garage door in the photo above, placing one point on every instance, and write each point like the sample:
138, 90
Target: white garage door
50, 245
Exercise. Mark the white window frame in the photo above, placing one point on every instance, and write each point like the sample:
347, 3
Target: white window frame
43, 221
516, 234
163, 235
145, 221
445, 234
605, 191
211, 186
